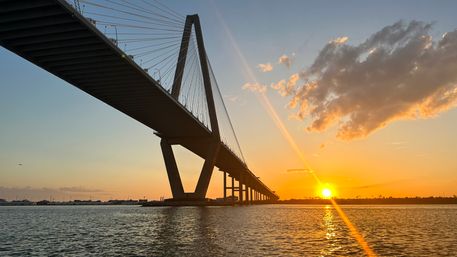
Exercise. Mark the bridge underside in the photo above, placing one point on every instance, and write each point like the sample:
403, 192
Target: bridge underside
55, 37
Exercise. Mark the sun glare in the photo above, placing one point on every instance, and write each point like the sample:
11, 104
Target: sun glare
326, 193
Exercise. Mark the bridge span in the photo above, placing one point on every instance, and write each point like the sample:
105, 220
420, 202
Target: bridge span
55, 36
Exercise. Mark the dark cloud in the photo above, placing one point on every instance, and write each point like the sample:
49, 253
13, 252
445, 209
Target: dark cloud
385, 184
36, 194
305, 171
80, 190
398, 73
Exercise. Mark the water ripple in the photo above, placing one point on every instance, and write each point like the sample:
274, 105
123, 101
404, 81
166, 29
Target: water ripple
272, 230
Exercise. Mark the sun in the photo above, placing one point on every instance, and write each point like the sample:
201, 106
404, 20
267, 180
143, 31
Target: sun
326, 193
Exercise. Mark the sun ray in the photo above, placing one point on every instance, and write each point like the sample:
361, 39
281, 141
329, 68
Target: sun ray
286, 134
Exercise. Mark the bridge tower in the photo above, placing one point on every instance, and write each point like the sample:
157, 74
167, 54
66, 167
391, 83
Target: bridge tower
213, 143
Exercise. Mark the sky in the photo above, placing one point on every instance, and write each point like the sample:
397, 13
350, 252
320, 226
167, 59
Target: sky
365, 89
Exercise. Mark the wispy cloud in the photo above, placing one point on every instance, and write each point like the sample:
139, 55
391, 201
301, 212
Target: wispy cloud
339, 40
398, 73
398, 143
286, 87
377, 185
255, 87
301, 171
265, 67
286, 60
34, 193
80, 190
235, 99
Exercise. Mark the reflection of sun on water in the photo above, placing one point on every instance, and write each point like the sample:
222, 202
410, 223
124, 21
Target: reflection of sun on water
328, 223
332, 243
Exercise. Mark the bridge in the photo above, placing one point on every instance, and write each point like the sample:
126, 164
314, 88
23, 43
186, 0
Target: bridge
147, 61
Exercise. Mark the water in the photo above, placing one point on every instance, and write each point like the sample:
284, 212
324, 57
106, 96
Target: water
270, 230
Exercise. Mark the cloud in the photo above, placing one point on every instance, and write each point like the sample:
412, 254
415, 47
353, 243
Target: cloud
339, 40
255, 87
398, 143
286, 87
398, 73
300, 171
385, 184
79, 190
265, 67
286, 60
235, 99
37, 194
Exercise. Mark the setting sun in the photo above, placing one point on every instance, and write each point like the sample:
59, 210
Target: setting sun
326, 193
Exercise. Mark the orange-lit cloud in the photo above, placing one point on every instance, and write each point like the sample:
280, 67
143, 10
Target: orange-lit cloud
265, 67
397, 73
255, 87
286, 60
286, 87
339, 40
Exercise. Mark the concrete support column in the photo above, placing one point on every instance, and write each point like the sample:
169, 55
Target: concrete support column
240, 190
225, 186
247, 194
233, 190
250, 192
177, 189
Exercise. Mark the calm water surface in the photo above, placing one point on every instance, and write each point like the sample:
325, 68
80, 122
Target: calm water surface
270, 230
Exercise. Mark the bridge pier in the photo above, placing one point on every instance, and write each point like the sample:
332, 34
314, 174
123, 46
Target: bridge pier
247, 195
251, 196
240, 190
231, 187
233, 191
174, 178
225, 186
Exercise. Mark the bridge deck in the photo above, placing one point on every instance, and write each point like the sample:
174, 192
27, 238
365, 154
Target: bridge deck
55, 37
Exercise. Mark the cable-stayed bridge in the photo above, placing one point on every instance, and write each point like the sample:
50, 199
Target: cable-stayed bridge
147, 61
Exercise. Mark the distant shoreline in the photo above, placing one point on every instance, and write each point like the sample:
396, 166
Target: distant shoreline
381, 201
210, 202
